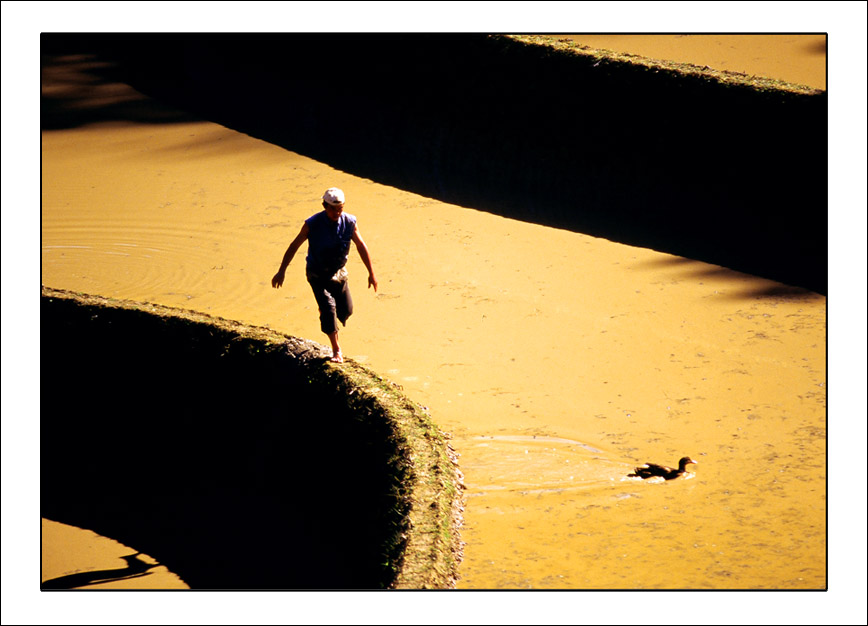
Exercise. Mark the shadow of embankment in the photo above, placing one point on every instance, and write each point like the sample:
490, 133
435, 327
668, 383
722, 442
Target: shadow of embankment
718, 172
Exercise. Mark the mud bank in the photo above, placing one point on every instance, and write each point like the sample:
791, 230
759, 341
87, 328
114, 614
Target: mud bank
680, 162
237, 457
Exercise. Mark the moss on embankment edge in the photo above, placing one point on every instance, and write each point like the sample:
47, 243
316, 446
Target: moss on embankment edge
723, 77
427, 548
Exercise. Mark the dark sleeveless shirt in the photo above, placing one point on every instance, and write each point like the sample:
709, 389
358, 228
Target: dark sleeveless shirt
328, 242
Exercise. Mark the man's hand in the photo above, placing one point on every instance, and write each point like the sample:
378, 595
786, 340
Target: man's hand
302, 235
372, 282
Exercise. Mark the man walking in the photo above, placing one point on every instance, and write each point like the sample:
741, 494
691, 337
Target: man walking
329, 234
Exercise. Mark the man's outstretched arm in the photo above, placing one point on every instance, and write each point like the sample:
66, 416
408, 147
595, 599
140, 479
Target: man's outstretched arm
278, 279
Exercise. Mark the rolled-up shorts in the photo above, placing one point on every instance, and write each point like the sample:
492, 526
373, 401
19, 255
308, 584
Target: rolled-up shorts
333, 299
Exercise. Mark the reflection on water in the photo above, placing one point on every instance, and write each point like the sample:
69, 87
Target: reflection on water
136, 568
91, 561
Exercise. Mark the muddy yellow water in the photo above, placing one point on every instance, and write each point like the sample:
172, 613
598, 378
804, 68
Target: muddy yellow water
558, 361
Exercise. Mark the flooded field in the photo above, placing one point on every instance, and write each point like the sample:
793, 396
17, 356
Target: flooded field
558, 361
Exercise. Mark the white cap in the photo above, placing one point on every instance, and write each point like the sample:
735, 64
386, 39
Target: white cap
333, 196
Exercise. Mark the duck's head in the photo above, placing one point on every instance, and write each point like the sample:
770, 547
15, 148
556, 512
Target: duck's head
685, 461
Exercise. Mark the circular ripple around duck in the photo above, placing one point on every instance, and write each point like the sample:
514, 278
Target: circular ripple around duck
538, 464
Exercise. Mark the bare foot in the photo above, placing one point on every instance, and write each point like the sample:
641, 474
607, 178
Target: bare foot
337, 358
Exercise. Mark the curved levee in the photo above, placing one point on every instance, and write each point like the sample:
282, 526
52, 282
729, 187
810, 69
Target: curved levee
239, 457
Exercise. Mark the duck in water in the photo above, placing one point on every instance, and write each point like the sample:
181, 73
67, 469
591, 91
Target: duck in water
650, 470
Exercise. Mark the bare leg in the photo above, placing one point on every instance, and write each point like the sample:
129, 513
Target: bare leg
337, 357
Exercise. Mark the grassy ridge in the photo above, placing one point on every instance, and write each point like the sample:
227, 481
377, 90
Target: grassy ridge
298, 472
722, 77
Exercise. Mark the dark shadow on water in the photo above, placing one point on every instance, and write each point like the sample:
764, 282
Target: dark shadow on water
136, 568
82, 87
743, 286
722, 174
228, 467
